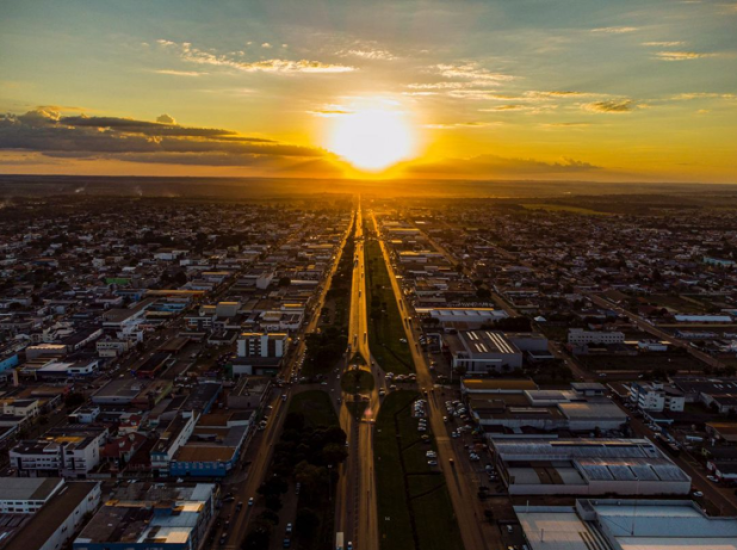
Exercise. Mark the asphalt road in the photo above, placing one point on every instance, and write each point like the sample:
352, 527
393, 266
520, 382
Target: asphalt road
356, 511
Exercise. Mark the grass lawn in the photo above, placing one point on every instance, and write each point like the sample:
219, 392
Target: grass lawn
410, 493
357, 381
316, 406
386, 326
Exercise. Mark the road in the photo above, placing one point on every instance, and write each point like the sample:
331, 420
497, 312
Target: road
645, 326
356, 511
461, 482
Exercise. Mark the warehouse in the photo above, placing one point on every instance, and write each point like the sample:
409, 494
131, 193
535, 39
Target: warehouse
587, 467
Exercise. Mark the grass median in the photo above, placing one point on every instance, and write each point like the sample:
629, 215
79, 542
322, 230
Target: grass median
386, 326
410, 493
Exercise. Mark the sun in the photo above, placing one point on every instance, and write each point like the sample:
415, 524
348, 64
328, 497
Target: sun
372, 139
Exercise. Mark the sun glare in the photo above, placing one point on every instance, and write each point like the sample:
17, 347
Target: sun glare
371, 139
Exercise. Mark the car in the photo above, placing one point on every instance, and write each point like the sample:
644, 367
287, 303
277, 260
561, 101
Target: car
432, 462
250, 501
455, 435
297, 488
431, 454
382, 392
228, 498
223, 539
445, 419
349, 546
289, 528
712, 479
239, 506
421, 429
697, 494
287, 543
510, 529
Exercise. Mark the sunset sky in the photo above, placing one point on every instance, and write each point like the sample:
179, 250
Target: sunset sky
597, 90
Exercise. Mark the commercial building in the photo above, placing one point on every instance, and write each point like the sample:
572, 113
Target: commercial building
656, 397
582, 409
587, 467
463, 318
22, 495
52, 525
482, 351
262, 344
626, 525
151, 516
70, 452
581, 337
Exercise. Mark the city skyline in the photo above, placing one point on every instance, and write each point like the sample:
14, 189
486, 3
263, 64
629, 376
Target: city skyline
594, 91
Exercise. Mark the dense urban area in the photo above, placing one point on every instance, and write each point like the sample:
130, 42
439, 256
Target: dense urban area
362, 372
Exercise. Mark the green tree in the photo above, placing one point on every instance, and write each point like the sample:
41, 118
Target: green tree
306, 523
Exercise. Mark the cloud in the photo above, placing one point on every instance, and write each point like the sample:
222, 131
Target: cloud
80, 137
190, 54
172, 72
165, 119
470, 71
663, 44
615, 106
331, 112
451, 125
703, 95
615, 30
508, 107
682, 56
494, 165
368, 53
566, 124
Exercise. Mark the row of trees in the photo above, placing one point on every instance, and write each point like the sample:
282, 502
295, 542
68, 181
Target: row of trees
309, 456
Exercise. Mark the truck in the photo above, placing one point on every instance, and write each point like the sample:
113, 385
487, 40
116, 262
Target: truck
339, 541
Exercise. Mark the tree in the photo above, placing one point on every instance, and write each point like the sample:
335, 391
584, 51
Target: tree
259, 536
306, 523
334, 454
74, 400
483, 293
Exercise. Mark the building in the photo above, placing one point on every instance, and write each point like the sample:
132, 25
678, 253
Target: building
626, 525
654, 397
22, 495
174, 436
545, 466
482, 351
151, 516
212, 451
464, 318
53, 524
579, 337
262, 344
71, 452
583, 409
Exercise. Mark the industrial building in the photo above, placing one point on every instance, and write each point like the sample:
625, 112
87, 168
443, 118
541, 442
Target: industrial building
587, 467
626, 525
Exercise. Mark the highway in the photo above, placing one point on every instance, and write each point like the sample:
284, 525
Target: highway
461, 481
356, 512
